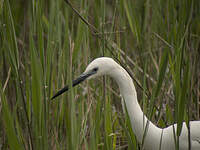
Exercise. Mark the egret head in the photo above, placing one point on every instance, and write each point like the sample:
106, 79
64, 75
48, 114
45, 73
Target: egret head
97, 67
100, 66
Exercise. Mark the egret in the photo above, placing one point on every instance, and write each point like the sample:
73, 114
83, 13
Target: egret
156, 138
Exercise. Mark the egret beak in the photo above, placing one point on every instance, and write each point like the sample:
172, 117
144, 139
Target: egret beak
75, 82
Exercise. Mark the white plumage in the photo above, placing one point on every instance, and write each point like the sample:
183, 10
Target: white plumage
156, 138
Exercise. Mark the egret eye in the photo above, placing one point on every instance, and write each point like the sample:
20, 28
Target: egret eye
95, 69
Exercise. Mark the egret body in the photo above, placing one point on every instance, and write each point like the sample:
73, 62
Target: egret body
156, 138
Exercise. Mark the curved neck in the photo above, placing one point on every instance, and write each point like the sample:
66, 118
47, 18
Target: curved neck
137, 117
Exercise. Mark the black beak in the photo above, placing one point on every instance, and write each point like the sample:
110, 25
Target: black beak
80, 79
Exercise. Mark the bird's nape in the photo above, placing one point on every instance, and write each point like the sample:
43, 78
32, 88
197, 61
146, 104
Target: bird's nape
75, 82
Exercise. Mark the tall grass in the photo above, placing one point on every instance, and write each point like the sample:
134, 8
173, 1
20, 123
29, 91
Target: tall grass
46, 44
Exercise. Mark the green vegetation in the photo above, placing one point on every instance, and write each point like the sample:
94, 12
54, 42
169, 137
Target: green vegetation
45, 44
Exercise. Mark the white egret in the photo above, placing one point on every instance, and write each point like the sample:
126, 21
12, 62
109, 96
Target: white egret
156, 138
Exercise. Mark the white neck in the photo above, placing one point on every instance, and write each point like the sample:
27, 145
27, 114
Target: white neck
137, 117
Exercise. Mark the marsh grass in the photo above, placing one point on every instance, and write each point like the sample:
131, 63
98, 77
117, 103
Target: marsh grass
46, 44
